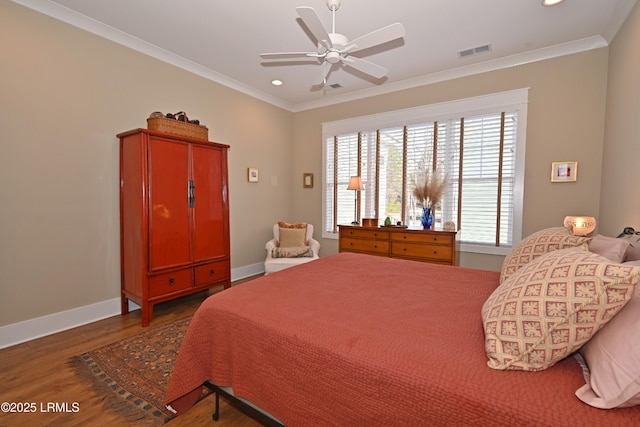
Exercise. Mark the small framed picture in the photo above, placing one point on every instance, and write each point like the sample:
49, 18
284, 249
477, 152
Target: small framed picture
307, 180
564, 171
449, 226
253, 175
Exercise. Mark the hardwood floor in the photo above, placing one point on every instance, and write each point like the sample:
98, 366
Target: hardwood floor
37, 371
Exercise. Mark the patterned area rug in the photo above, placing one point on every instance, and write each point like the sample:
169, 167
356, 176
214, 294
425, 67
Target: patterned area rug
132, 375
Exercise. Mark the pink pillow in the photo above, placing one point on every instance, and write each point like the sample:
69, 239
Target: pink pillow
609, 247
633, 251
613, 360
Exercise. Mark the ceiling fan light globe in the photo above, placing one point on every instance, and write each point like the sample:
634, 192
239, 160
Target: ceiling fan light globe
333, 57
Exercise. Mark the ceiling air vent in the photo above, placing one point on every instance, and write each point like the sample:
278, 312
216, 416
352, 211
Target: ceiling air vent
333, 86
474, 51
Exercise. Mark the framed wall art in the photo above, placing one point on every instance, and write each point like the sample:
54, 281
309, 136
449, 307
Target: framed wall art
564, 171
307, 180
253, 175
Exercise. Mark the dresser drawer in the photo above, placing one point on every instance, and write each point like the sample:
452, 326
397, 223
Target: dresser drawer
416, 250
213, 272
170, 282
364, 233
378, 246
435, 238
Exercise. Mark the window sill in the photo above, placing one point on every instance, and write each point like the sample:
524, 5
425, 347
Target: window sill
484, 249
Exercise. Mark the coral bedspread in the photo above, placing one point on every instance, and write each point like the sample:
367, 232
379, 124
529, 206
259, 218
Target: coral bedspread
354, 339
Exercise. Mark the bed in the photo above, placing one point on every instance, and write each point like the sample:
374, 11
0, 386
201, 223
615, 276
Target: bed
354, 339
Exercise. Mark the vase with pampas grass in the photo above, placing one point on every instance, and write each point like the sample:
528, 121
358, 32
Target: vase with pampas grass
428, 192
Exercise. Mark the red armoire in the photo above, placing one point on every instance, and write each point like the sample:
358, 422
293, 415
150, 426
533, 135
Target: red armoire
174, 218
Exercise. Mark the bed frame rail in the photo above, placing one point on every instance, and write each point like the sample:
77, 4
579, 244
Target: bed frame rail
242, 405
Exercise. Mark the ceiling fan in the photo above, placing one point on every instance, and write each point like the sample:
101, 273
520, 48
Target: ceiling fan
334, 48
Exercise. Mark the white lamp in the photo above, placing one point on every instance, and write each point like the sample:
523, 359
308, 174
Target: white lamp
355, 184
580, 225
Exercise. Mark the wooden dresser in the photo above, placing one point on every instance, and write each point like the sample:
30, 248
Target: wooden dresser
439, 247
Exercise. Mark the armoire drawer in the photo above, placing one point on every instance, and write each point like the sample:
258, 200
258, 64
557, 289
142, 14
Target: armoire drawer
170, 282
213, 272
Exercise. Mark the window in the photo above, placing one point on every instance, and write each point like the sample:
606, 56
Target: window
478, 143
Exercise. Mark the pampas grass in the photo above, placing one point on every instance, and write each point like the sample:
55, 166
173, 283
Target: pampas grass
430, 188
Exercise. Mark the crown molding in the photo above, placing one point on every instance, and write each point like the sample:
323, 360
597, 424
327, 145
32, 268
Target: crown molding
83, 22
468, 70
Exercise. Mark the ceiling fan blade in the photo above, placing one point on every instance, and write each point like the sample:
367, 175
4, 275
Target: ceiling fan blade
365, 66
286, 55
374, 38
313, 23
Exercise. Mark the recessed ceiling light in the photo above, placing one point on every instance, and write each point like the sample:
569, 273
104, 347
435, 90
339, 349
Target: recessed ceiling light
551, 2
276, 82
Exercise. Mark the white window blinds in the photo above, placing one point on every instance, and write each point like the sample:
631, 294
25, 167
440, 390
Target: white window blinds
479, 151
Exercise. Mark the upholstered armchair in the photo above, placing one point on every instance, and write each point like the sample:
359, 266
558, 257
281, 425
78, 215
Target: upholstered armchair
298, 247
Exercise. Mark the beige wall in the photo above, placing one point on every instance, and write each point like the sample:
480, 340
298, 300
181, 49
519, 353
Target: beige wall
565, 123
66, 94
620, 196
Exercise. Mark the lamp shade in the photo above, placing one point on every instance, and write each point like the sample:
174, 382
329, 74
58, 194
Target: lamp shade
580, 225
355, 183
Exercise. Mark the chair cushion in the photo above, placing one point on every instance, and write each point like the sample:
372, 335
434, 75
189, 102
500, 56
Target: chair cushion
292, 237
278, 264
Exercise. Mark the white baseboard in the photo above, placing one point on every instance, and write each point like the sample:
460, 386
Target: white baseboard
28, 330
247, 271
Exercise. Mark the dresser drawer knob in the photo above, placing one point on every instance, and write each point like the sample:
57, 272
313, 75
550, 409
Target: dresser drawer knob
212, 272
172, 281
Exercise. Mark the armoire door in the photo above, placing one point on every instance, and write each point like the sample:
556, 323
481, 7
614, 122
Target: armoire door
209, 230
168, 169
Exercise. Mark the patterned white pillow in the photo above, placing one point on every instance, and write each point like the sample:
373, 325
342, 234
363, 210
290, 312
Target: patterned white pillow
292, 252
551, 306
538, 243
